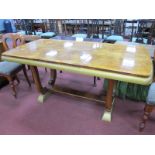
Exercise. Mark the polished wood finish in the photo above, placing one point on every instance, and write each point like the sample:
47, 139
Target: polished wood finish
36, 78
150, 48
109, 97
113, 62
99, 56
16, 41
37, 81
147, 111
81, 94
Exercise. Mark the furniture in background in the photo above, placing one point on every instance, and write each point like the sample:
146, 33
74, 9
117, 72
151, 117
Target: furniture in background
116, 32
9, 70
50, 28
29, 38
80, 29
130, 28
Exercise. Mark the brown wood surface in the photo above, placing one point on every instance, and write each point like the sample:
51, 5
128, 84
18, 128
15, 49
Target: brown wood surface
16, 40
147, 111
134, 60
109, 97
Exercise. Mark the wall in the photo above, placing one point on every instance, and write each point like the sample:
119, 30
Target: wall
1, 25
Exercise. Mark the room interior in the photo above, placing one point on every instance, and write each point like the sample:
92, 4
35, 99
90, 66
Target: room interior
77, 76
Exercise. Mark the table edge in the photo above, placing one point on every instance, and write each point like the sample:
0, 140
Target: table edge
86, 71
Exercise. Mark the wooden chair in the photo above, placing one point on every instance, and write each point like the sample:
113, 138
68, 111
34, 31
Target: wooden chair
9, 70
150, 104
50, 29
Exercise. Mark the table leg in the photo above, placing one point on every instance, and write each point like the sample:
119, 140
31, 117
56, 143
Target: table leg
109, 101
53, 76
44, 93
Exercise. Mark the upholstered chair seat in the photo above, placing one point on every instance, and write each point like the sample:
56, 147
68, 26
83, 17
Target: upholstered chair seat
80, 35
9, 68
115, 37
47, 35
151, 95
150, 104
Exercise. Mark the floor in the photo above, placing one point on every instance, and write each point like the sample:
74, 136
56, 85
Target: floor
67, 115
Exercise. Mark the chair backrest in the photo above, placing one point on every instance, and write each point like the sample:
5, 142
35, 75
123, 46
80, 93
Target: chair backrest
13, 39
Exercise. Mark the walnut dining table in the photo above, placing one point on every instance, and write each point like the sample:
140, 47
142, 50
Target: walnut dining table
114, 62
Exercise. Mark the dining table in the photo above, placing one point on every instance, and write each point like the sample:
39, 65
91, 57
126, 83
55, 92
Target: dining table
114, 62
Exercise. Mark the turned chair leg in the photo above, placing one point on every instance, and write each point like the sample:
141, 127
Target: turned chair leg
28, 67
26, 76
16, 77
147, 111
11, 81
94, 81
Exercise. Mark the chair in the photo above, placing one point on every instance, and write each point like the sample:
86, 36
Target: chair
115, 37
150, 104
50, 29
9, 70
116, 31
80, 30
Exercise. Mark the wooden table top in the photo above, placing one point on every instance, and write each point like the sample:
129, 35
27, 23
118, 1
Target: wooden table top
149, 47
29, 38
124, 59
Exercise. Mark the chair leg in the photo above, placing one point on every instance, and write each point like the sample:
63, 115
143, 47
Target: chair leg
16, 77
28, 67
147, 111
11, 81
25, 73
98, 78
94, 81
45, 69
